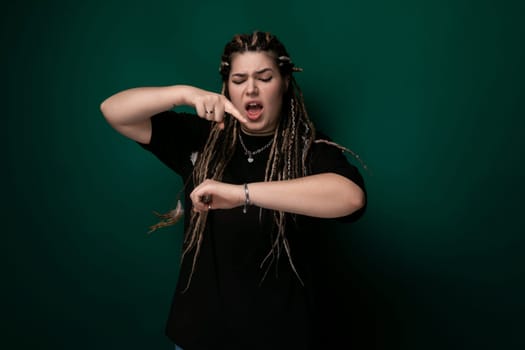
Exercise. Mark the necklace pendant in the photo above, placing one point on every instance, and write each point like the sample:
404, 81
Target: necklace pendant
249, 153
250, 156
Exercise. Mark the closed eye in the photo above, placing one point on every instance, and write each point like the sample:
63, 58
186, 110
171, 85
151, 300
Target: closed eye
238, 81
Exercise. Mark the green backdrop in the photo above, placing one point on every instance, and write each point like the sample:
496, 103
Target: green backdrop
429, 93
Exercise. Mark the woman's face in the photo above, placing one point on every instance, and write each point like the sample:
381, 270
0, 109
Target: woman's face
256, 89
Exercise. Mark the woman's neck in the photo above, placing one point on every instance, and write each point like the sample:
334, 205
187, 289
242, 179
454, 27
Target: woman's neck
263, 133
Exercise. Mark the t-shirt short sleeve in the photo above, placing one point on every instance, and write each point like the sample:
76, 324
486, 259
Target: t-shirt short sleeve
326, 158
175, 137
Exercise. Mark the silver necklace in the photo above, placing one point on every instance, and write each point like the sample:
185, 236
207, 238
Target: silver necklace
249, 153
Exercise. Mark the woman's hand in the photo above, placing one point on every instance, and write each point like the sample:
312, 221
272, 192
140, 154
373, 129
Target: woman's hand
216, 195
212, 106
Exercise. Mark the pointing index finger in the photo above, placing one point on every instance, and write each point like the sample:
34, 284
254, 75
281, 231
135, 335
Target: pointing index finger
230, 108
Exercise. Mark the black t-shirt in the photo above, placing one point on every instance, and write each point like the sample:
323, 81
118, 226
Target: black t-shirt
231, 303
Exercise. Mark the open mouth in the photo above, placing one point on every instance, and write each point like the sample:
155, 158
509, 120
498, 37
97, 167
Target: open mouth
253, 110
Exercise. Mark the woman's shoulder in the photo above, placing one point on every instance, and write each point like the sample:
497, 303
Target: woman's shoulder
321, 135
326, 154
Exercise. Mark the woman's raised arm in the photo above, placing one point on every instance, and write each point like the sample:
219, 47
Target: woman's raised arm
129, 111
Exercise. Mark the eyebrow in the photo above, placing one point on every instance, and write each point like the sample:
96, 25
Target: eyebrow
256, 73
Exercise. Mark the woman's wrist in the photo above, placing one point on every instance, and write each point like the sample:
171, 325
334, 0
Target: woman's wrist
184, 95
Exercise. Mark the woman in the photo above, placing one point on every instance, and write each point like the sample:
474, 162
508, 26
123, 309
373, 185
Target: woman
260, 182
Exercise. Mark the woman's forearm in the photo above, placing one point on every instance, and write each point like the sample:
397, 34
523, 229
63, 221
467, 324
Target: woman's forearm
326, 195
129, 111
138, 104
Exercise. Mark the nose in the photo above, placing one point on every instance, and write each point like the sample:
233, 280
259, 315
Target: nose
251, 88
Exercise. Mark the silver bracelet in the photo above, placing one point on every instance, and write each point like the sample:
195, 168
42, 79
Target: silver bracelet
246, 199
